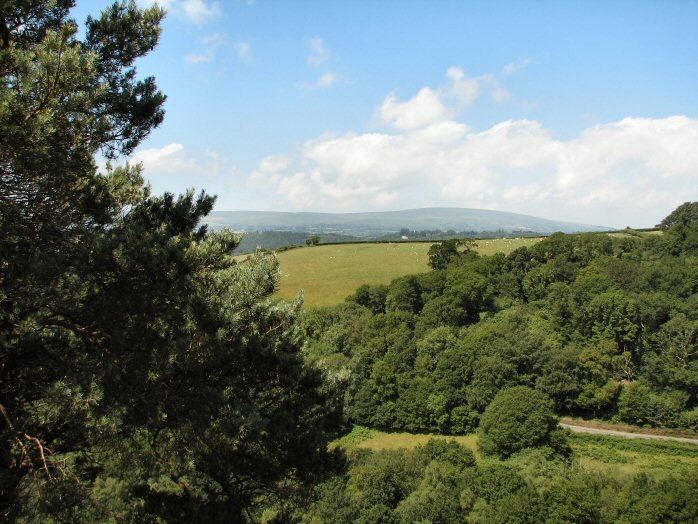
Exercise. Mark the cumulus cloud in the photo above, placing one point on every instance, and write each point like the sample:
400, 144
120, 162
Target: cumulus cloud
628, 172
431, 105
602, 176
268, 171
423, 109
463, 88
174, 159
199, 12
156, 158
274, 163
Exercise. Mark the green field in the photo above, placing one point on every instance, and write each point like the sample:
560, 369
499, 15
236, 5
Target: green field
328, 274
611, 456
379, 440
621, 457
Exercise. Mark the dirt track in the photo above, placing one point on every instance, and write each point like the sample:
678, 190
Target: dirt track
626, 434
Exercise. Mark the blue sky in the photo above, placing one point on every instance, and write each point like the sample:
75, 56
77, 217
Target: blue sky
580, 111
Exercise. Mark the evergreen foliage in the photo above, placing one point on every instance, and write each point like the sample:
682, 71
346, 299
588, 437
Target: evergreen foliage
144, 374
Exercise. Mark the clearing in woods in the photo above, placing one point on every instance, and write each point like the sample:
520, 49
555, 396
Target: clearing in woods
327, 274
617, 457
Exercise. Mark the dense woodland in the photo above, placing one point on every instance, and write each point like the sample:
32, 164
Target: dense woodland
605, 326
442, 482
147, 376
591, 325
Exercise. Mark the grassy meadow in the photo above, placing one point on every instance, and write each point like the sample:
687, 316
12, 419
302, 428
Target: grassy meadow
327, 274
619, 457
610, 456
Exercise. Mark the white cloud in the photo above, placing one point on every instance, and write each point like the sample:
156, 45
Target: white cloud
165, 4
199, 12
274, 163
630, 172
327, 79
244, 50
425, 108
198, 58
499, 94
268, 171
319, 53
432, 105
211, 44
156, 157
174, 159
463, 88
514, 67
527, 193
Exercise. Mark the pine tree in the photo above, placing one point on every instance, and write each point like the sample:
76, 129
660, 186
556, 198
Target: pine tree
144, 373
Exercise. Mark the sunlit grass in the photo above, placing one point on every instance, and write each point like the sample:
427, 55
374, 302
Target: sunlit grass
380, 440
504, 245
610, 456
623, 457
328, 274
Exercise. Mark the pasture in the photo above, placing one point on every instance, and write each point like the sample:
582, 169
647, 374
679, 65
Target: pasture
378, 440
609, 456
327, 274
622, 457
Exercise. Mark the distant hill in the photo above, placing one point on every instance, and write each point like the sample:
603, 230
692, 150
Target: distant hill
278, 239
380, 223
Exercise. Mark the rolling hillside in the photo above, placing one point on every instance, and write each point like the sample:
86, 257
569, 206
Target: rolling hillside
328, 274
379, 223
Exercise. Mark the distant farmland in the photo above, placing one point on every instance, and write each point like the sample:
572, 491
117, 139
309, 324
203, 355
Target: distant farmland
328, 274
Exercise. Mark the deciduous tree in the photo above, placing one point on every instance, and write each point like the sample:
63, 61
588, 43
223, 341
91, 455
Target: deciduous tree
517, 418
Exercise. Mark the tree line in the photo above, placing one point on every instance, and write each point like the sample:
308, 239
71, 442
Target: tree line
442, 482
